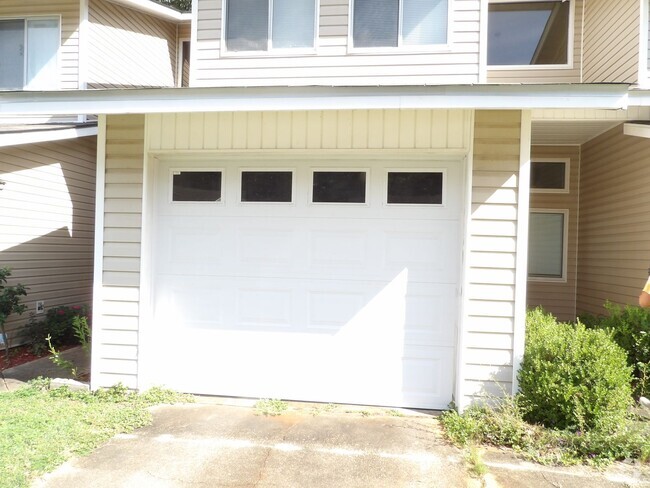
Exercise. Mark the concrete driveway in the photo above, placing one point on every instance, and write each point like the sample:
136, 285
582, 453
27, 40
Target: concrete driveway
309, 445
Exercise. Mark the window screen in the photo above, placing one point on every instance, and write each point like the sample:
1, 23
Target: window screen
196, 186
528, 33
266, 186
415, 187
546, 245
339, 187
548, 175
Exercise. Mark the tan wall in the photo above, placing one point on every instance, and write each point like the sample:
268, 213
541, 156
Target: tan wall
331, 64
614, 229
544, 75
611, 41
559, 297
487, 356
128, 48
68, 10
115, 332
47, 223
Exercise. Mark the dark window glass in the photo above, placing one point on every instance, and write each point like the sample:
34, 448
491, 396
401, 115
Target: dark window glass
196, 186
339, 187
266, 186
247, 25
546, 245
549, 176
422, 188
528, 33
375, 23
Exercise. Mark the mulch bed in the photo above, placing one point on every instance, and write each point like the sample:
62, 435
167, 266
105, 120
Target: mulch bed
22, 354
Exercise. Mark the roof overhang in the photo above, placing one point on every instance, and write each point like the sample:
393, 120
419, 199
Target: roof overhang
153, 8
167, 100
637, 128
45, 134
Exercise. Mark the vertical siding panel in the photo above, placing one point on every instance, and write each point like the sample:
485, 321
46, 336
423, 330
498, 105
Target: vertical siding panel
269, 123
391, 129
254, 130
559, 298
455, 137
299, 132
211, 131
154, 123
182, 131
168, 132
375, 129
407, 129
224, 138
344, 132
314, 128
329, 129
239, 130
489, 320
196, 131
283, 130
614, 230
423, 129
360, 129
439, 128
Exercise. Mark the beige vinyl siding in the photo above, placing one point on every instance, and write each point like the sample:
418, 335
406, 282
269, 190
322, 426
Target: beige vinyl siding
184, 30
556, 297
614, 230
487, 355
611, 41
331, 129
129, 48
332, 62
47, 223
571, 74
116, 330
68, 11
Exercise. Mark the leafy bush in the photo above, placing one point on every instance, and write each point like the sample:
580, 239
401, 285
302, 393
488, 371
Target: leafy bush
58, 324
630, 328
572, 377
9, 303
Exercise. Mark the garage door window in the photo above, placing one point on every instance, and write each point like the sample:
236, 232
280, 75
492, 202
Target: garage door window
415, 187
266, 186
196, 186
339, 187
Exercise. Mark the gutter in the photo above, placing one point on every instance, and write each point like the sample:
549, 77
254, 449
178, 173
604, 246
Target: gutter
284, 98
152, 8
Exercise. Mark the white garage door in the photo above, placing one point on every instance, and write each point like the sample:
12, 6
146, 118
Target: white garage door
331, 281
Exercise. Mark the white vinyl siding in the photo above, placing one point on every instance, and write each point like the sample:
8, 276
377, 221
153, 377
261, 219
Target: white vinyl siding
68, 12
488, 339
559, 297
614, 231
47, 223
128, 48
541, 74
332, 63
115, 331
611, 41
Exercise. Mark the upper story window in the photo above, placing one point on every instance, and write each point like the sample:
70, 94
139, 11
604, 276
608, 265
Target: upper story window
28, 53
263, 25
529, 33
397, 23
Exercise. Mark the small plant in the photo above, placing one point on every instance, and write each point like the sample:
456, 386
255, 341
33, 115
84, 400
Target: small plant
271, 407
477, 467
572, 377
9, 303
61, 324
60, 361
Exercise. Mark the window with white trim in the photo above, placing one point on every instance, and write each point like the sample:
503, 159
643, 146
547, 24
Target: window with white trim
529, 33
547, 246
28, 53
264, 25
397, 23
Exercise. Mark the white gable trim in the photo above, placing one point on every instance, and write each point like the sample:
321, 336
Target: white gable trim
152, 8
36, 136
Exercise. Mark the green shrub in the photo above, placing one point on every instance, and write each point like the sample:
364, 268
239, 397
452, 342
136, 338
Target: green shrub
630, 328
572, 377
58, 324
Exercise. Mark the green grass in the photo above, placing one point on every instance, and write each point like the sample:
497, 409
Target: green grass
477, 467
41, 428
271, 407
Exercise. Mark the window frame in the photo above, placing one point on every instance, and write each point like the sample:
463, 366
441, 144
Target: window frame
384, 189
565, 246
528, 67
56, 84
270, 51
266, 169
442, 47
196, 169
567, 175
313, 170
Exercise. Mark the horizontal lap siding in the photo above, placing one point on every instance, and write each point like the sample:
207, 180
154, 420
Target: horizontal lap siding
545, 75
68, 10
117, 332
489, 317
129, 48
342, 129
47, 223
559, 298
332, 64
611, 44
614, 230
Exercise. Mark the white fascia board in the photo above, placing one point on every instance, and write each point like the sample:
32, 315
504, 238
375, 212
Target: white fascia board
637, 130
32, 137
153, 8
639, 97
170, 100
